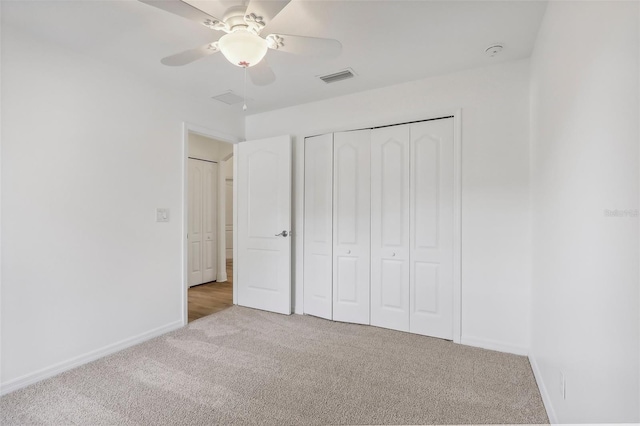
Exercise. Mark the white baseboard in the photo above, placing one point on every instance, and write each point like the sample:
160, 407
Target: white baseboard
546, 399
45, 373
493, 345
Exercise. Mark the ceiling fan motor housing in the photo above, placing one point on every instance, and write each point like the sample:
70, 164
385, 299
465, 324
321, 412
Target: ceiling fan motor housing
235, 18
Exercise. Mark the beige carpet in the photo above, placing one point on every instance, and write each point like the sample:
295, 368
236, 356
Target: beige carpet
250, 367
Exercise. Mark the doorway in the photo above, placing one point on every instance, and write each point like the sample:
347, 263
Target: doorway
209, 225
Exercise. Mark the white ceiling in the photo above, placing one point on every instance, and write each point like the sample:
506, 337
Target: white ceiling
384, 42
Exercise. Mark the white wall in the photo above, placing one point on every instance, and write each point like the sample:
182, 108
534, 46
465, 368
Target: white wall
88, 153
585, 307
495, 182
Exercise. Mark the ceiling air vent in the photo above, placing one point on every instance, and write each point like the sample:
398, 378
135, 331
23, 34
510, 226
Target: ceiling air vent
337, 76
229, 98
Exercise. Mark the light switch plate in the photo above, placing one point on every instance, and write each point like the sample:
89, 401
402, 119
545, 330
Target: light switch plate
162, 215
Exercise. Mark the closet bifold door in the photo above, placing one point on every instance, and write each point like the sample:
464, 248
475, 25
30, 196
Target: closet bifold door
351, 226
318, 225
202, 199
431, 223
390, 227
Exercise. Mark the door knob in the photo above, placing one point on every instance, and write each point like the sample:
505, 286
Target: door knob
393, 255
348, 251
282, 234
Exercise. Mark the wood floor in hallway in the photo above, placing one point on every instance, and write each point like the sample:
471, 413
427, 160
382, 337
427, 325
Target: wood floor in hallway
206, 299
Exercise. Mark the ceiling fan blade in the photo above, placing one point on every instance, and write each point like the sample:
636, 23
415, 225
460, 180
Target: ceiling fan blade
260, 13
308, 46
261, 74
180, 8
188, 56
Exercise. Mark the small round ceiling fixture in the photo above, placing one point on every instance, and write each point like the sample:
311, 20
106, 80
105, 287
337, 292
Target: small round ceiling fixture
494, 50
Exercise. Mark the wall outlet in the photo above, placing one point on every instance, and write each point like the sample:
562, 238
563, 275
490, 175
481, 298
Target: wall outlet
563, 386
162, 215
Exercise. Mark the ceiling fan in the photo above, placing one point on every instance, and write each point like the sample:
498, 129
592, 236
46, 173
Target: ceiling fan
243, 37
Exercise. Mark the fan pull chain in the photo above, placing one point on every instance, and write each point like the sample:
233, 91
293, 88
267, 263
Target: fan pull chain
244, 95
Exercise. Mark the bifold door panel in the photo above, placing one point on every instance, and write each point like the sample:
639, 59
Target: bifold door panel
390, 227
318, 226
351, 222
432, 228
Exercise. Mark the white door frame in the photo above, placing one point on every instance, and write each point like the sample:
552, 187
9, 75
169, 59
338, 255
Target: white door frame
202, 131
457, 205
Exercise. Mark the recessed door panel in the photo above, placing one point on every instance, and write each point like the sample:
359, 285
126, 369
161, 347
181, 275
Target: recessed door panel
432, 224
195, 260
347, 165
393, 292
263, 275
427, 190
426, 282
262, 218
322, 265
390, 227
351, 215
209, 264
393, 192
318, 226
347, 273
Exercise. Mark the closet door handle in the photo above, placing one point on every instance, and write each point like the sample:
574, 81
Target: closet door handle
282, 234
348, 251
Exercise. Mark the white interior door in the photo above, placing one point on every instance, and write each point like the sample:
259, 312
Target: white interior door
351, 215
390, 227
203, 178
318, 225
264, 224
431, 225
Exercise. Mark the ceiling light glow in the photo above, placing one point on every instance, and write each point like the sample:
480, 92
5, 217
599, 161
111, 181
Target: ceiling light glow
243, 48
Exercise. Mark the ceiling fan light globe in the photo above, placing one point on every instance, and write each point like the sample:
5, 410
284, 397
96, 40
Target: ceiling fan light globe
242, 48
